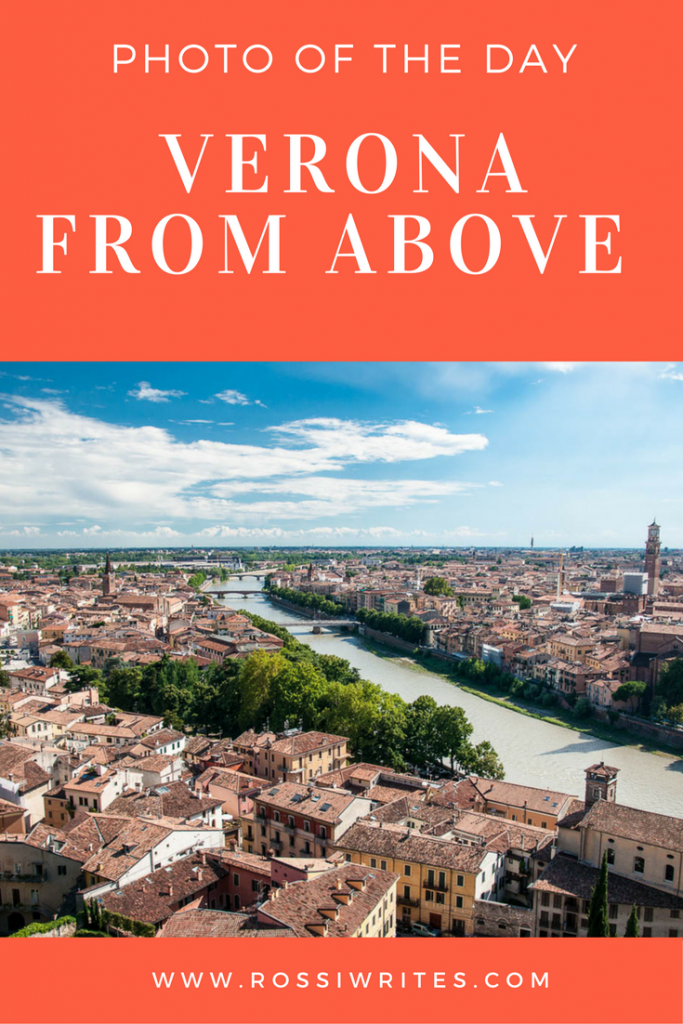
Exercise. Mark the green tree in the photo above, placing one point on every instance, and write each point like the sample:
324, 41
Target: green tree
523, 602
670, 685
422, 735
482, 760
255, 680
598, 913
60, 659
438, 586
453, 731
631, 692
632, 925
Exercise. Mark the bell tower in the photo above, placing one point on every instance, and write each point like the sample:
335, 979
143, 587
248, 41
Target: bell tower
653, 558
601, 783
109, 579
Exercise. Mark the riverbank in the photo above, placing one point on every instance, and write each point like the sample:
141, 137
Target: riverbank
564, 719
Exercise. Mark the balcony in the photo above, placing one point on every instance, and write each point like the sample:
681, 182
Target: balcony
433, 884
405, 901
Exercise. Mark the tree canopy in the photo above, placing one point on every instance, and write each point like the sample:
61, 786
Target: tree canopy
438, 586
295, 685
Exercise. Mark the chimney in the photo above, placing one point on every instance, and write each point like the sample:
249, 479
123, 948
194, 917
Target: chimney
203, 856
339, 883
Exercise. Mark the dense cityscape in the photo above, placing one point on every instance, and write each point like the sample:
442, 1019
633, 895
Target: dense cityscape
172, 764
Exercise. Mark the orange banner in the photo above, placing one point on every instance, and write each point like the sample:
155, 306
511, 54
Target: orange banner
508, 171
179, 980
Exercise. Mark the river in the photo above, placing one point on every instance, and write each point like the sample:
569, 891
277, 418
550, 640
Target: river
534, 752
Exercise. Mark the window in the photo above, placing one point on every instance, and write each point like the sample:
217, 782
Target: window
255, 885
407, 870
429, 896
647, 933
406, 892
610, 856
613, 910
639, 865
263, 830
237, 902
373, 862
648, 916
669, 873
307, 826
544, 824
61, 869
290, 821
460, 880
459, 902
675, 913
441, 897
347, 858
383, 865
276, 815
545, 899
323, 832
673, 933
557, 901
442, 879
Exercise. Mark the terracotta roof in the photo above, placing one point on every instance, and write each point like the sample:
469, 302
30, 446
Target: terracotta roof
321, 804
150, 899
330, 900
410, 845
173, 800
213, 924
639, 826
570, 878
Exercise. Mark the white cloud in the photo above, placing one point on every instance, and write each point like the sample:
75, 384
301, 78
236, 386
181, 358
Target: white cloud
560, 367
92, 530
111, 473
478, 411
144, 392
383, 442
231, 397
495, 483
671, 372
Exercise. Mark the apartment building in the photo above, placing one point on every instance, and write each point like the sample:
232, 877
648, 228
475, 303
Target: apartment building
438, 879
300, 821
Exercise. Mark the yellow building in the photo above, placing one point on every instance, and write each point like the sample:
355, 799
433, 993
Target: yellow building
292, 757
439, 879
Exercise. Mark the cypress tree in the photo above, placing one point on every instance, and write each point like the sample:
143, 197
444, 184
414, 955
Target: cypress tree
632, 926
598, 915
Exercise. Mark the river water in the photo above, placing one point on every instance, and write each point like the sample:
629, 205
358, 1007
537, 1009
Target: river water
534, 753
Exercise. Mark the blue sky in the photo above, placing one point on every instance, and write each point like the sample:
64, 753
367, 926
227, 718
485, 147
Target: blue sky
231, 454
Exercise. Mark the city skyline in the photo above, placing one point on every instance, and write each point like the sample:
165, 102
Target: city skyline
98, 455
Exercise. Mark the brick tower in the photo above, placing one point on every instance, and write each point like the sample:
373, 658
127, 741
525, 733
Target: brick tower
652, 558
109, 579
601, 783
